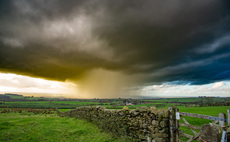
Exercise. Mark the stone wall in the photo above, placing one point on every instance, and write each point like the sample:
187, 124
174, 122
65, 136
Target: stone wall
142, 124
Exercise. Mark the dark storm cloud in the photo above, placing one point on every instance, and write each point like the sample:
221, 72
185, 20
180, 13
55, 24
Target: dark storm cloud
179, 41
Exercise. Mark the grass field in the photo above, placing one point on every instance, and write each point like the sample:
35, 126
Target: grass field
187, 99
46, 104
31, 127
70, 104
192, 99
212, 111
19, 101
51, 128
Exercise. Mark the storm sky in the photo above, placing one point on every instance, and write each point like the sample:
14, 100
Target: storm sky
111, 46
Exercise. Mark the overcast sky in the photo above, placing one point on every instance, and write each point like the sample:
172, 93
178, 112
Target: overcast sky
119, 48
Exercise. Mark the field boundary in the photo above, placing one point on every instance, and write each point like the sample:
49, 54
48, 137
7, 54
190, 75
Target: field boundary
151, 124
142, 124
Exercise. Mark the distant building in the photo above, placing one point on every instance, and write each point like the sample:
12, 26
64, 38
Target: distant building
129, 104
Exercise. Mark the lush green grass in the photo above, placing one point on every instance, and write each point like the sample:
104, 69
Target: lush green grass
29, 127
212, 111
64, 110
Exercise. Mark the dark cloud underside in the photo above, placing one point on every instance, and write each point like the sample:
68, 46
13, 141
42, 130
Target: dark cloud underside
179, 41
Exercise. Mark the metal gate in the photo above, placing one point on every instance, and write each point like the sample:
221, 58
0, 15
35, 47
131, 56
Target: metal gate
176, 133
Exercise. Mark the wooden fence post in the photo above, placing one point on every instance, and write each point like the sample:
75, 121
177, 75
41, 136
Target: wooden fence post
222, 123
228, 113
173, 125
177, 126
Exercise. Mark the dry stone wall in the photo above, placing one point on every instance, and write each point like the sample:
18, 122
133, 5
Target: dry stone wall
142, 124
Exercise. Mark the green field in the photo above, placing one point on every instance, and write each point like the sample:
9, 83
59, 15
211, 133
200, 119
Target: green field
19, 101
27, 126
191, 99
51, 128
212, 111
45, 104
71, 104
31, 127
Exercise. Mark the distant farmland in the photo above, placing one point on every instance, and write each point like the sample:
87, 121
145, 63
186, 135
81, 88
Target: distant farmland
18, 113
19, 101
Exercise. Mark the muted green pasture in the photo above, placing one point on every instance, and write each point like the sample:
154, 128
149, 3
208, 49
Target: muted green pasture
46, 104
75, 102
14, 96
71, 104
191, 99
51, 128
